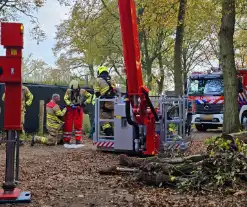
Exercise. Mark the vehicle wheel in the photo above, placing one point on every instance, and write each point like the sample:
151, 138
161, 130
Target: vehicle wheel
244, 115
201, 128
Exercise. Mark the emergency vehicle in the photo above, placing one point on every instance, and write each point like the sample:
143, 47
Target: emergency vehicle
205, 93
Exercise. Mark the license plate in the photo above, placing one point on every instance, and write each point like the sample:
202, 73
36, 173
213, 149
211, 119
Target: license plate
207, 117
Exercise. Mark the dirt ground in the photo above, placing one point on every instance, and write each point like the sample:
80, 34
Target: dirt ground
68, 178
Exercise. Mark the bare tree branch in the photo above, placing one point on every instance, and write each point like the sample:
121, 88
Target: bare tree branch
110, 12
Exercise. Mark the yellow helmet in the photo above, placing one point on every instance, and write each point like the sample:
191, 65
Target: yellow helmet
102, 69
74, 84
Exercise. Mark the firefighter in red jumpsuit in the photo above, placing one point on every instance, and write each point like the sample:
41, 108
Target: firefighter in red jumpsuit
75, 98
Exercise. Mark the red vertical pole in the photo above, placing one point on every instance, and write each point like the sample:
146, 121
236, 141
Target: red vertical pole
11, 75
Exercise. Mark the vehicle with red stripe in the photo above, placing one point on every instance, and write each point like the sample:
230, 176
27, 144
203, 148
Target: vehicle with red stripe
206, 98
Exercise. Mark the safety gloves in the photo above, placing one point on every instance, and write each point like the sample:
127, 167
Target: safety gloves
62, 106
28, 103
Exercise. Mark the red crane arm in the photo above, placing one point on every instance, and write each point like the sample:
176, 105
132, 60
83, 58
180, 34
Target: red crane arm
137, 94
131, 47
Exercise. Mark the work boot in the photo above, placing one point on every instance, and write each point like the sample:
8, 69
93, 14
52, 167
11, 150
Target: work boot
50, 144
22, 136
33, 141
61, 142
92, 132
67, 142
77, 142
21, 143
90, 136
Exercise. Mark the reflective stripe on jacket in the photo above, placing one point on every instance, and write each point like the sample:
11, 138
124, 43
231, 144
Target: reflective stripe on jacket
53, 112
102, 86
93, 99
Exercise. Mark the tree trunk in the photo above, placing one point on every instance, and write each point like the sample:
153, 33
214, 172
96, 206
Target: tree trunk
178, 48
184, 55
162, 75
91, 70
148, 62
231, 119
185, 71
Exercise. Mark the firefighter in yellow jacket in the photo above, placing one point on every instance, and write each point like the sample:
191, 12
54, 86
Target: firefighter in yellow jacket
27, 99
75, 98
105, 88
54, 123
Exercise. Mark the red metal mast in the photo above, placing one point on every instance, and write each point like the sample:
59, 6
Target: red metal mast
143, 110
11, 75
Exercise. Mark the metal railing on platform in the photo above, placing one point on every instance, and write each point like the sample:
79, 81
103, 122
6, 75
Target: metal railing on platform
98, 136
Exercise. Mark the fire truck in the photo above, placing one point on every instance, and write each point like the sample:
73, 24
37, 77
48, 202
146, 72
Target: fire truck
205, 91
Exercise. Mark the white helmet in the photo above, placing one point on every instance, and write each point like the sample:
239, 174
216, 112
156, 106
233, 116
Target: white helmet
74, 84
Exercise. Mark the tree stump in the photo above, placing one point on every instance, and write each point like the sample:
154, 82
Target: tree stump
41, 116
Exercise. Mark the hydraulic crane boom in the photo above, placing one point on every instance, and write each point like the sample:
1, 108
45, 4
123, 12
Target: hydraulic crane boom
131, 48
137, 93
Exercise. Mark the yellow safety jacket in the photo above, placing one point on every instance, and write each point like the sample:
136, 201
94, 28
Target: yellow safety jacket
106, 87
27, 97
103, 85
53, 114
71, 97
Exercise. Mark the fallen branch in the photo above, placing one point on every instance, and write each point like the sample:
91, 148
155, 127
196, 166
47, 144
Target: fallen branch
222, 167
116, 170
137, 162
240, 135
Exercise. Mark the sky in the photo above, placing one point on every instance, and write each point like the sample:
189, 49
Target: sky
49, 16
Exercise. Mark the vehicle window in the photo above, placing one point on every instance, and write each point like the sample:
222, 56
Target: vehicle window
194, 86
206, 87
214, 86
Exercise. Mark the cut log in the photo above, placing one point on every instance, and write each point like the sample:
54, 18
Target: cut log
177, 170
116, 170
179, 160
240, 135
157, 167
154, 179
195, 158
124, 160
159, 179
183, 169
108, 171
